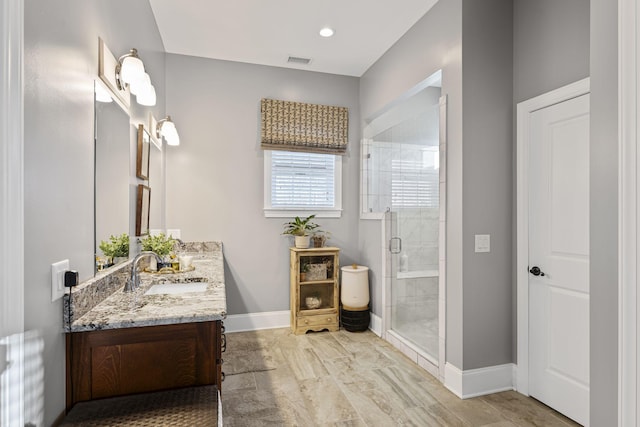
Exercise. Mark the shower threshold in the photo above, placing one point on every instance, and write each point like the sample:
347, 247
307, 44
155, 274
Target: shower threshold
417, 355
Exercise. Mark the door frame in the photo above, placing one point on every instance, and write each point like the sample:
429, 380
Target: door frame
524, 111
11, 211
628, 213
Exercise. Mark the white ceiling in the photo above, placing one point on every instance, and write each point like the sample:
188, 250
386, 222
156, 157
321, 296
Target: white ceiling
269, 31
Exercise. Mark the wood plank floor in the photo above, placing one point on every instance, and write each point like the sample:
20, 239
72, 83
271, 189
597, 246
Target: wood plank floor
274, 378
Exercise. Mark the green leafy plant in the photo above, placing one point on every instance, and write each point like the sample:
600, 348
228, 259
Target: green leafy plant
160, 244
116, 246
300, 227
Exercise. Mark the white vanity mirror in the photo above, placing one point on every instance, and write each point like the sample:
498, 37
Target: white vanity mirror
156, 182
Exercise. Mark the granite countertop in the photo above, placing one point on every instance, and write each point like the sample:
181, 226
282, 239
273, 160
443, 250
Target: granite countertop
134, 309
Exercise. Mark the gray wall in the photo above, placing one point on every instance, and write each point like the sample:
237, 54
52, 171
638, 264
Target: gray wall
433, 43
487, 58
215, 177
604, 213
551, 50
61, 57
477, 37
557, 43
551, 45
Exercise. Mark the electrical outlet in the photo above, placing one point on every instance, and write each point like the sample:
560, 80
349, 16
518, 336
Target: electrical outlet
57, 279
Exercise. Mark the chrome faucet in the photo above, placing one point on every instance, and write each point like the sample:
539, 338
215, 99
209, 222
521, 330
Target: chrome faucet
134, 281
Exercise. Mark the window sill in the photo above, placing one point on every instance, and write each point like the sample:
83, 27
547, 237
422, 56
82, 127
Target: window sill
288, 213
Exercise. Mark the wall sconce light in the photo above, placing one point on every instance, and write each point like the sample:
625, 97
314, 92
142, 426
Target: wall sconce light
167, 128
130, 71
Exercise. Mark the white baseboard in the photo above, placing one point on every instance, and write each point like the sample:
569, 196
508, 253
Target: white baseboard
375, 324
478, 382
277, 319
453, 379
256, 321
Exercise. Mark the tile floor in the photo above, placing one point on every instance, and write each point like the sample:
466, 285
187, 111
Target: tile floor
351, 379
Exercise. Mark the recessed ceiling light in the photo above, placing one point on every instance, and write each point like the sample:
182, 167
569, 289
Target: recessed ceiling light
326, 32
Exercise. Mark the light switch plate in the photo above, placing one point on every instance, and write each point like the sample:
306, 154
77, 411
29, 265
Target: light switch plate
483, 243
57, 279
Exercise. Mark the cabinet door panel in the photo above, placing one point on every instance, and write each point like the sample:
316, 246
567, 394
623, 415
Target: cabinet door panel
134, 360
136, 368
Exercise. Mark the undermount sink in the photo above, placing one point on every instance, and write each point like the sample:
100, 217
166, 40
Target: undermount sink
177, 288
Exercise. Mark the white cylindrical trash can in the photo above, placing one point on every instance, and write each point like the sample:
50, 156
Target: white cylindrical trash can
354, 297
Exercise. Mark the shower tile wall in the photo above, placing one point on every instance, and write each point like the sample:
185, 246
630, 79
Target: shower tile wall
420, 230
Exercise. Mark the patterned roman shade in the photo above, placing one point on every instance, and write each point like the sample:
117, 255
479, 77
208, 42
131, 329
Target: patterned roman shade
296, 126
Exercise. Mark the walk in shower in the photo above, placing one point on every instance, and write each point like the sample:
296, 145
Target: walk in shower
402, 181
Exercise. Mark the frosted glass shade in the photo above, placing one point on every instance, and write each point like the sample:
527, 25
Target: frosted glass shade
141, 85
172, 137
169, 132
132, 70
147, 96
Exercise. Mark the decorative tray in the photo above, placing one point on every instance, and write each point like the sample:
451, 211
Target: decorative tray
169, 270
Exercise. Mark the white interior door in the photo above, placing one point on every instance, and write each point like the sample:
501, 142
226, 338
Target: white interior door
559, 257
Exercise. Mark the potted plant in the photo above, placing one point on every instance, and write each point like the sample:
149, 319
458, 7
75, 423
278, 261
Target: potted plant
301, 230
319, 238
116, 249
304, 269
161, 244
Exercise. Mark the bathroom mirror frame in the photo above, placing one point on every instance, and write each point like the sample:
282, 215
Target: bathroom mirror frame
143, 204
107, 63
142, 158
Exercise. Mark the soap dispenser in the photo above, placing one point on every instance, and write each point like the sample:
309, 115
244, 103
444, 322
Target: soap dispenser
404, 262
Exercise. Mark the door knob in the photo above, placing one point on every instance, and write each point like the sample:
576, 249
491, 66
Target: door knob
536, 271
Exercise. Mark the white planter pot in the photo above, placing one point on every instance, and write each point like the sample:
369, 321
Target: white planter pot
302, 242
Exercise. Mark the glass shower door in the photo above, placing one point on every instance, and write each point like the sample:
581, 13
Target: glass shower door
401, 178
414, 251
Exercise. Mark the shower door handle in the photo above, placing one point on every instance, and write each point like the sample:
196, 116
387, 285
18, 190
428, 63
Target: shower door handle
399, 248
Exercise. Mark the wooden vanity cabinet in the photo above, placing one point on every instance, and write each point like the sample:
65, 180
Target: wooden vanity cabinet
116, 362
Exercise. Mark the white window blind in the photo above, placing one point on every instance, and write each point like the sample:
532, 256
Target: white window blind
302, 180
414, 184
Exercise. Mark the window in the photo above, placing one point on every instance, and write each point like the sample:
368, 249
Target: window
301, 184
